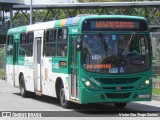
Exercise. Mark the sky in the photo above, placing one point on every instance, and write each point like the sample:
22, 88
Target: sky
40, 2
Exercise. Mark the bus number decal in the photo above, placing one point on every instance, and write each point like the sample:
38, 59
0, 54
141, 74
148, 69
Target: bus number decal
95, 81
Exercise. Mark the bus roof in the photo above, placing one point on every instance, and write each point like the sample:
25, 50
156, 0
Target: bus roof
66, 22
79, 19
17, 30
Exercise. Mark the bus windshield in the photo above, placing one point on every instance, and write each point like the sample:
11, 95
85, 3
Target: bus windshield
115, 53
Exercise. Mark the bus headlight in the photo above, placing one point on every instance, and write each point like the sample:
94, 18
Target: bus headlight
144, 84
147, 82
87, 83
90, 85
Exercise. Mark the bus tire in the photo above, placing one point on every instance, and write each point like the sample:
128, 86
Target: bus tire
64, 103
22, 87
120, 105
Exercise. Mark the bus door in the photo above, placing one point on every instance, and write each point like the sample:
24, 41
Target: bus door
38, 37
74, 91
16, 38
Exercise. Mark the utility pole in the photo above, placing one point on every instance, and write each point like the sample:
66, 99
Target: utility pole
11, 17
31, 12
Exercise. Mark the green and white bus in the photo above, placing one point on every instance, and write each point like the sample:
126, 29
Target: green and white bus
84, 59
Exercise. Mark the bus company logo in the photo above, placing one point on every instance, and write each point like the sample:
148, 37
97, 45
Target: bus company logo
17, 30
118, 87
28, 64
74, 30
55, 65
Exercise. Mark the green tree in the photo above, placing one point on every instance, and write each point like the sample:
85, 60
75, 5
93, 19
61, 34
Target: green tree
157, 56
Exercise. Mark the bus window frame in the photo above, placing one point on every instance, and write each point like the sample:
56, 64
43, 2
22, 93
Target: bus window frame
11, 35
62, 43
45, 42
29, 43
23, 43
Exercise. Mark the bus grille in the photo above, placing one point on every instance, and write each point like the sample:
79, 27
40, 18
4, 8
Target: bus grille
118, 80
118, 95
115, 88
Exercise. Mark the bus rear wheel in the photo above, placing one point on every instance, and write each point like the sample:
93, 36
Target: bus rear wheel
22, 87
120, 105
64, 103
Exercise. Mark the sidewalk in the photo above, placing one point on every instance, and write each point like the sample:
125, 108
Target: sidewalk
156, 97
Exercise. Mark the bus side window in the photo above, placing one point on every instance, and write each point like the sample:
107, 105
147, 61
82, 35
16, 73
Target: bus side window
22, 44
50, 43
62, 42
29, 44
10, 45
59, 35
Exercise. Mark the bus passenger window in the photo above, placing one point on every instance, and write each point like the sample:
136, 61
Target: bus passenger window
60, 35
22, 45
10, 45
50, 43
62, 50
29, 44
62, 42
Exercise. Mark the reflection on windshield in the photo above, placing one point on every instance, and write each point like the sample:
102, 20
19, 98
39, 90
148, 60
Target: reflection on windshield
115, 53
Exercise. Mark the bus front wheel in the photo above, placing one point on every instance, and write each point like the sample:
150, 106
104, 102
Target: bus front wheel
64, 103
120, 105
22, 87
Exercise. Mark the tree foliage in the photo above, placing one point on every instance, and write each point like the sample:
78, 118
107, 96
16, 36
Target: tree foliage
157, 56
2, 39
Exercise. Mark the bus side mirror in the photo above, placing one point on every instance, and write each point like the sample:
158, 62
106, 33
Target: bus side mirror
79, 46
153, 47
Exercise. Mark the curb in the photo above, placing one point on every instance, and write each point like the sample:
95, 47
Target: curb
156, 97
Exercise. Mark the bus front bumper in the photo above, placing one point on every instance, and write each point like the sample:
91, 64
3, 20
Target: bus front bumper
90, 96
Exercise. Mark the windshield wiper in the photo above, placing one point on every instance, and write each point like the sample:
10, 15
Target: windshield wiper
128, 44
103, 42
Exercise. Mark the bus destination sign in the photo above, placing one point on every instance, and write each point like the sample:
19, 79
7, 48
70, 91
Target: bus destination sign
114, 25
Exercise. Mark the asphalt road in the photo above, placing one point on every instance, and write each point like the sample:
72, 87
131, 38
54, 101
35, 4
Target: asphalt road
10, 100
